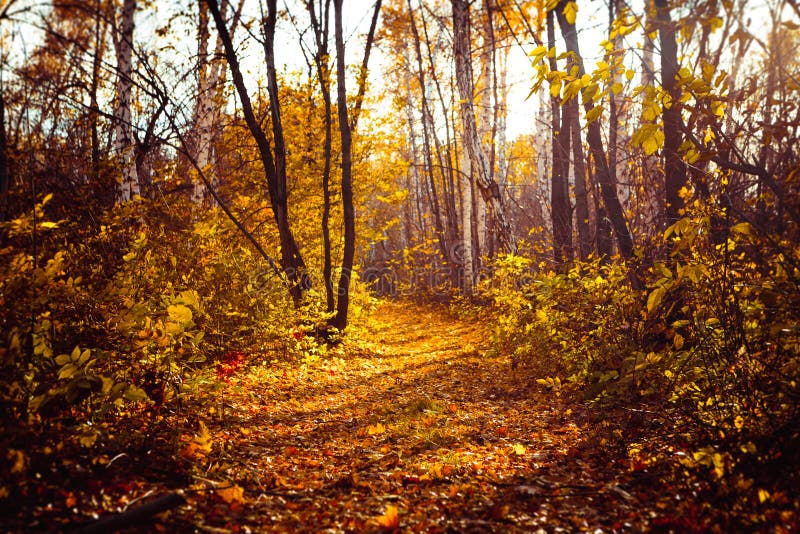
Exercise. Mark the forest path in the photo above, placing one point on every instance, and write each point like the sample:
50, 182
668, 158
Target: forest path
418, 428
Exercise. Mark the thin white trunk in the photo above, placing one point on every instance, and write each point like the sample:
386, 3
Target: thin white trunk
480, 165
467, 184
485, 119
412, 140
210, 82
544, 150
502, 116
123, 134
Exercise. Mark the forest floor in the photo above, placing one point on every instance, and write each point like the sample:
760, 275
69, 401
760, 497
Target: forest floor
415, 426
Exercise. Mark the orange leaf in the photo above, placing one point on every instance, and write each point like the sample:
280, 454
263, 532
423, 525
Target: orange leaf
391, 519
231, 494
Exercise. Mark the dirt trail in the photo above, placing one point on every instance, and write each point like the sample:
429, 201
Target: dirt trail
415, 419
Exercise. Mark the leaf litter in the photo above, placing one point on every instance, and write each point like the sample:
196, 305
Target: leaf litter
414, 424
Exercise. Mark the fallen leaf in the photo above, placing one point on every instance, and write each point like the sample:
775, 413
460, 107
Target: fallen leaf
378, 428
231, 494
390, 519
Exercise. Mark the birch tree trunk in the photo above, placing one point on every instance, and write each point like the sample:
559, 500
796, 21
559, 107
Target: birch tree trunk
427, 133
210, 83
480, 166
486, 124
123, 132
466, 220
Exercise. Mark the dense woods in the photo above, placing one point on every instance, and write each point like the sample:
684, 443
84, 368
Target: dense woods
217, 199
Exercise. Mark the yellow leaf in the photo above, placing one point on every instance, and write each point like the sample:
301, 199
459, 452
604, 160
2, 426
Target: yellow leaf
654, 299
763, 495
203, 440
179, 313
519, 449
555, 89
390, 519
231, 494
571, 12
594, 114
378, 428
678, 341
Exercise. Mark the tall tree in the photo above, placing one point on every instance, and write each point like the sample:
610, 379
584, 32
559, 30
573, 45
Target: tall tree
560, 208
480, 166
428, 132
595, 140
674, 168
210, 80
124, 140
340, 320
292, 263
320, 26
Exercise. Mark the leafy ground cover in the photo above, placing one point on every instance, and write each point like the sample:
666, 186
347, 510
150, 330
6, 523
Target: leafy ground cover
415, 424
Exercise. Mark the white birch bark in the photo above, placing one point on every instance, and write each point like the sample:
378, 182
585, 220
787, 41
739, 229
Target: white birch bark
123, 129
544, 151
502, 116
480, 166
466, 218
485, 119
210, 82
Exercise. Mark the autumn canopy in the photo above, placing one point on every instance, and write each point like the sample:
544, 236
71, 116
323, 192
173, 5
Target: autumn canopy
399, 265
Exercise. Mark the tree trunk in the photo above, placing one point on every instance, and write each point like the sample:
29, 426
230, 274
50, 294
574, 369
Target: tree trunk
321, 29
488, 187
291, 260
427, 133
340, 320
595, 139
361, 82
674, 168
560, 208
486, 123
466, 223
581, 192
443, 155
94, 111
124, 142
5, 171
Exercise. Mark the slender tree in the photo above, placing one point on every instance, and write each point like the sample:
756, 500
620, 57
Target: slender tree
340, 320
124, 140
674, 168
480, 166
560, 208
595, 140
320, 26
292, 262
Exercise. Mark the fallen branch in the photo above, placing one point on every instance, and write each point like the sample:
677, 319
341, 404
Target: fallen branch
132, 516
